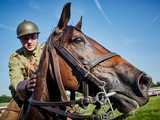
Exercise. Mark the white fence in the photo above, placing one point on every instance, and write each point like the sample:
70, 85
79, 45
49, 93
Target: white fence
154, 92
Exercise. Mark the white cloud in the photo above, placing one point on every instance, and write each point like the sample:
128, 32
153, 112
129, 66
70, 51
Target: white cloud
128, 41
102, 11
156, 19
6, 27
33, 4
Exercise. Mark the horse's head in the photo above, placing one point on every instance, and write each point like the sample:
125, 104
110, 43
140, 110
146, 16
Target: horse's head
129, 83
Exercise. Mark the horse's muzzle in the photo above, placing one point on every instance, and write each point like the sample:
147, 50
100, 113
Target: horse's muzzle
130, 97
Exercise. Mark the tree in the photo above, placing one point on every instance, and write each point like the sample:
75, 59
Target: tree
4, 98
158, 83
153, 84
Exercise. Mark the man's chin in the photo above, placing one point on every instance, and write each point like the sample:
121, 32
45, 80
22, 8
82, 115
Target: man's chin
30, 49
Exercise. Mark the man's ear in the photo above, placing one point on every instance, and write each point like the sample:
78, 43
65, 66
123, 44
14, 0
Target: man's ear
65, 16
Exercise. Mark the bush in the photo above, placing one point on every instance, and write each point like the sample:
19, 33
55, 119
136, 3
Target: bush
4, 98
157, 84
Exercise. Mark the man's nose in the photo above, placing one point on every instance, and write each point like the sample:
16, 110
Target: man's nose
29, 40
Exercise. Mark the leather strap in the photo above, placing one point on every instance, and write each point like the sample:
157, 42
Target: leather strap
52, 109
10, 109
55, 64
108, 56
73, 116
78, 69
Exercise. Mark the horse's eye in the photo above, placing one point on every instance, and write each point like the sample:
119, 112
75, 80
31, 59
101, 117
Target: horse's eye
78, 40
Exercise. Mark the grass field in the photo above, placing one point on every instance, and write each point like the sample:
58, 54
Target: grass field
151, 111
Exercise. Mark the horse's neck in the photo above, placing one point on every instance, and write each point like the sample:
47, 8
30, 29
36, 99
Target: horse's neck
41, 91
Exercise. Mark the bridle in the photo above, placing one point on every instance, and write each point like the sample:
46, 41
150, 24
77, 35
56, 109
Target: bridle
83, 74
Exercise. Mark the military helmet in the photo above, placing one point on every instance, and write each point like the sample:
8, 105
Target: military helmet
26, 27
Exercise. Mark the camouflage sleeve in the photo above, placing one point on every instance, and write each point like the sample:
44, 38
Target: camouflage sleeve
15, 71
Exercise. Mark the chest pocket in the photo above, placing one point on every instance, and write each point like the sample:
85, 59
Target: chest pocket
28, 66
24, 72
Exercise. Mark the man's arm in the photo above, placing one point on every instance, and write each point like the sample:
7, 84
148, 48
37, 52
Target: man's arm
15, 71
20, 85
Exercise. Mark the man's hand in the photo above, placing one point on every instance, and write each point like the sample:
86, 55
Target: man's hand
31, 84
26, 86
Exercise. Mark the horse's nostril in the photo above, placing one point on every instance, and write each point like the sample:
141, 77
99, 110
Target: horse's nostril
144, 83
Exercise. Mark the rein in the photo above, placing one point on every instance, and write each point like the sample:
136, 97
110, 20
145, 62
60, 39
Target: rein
9, 109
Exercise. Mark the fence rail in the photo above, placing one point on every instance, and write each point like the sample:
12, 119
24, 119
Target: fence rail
154, 92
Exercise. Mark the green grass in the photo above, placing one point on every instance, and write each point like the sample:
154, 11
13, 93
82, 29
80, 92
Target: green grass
151, 111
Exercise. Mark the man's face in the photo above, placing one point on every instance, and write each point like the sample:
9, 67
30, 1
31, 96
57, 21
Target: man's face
30, 41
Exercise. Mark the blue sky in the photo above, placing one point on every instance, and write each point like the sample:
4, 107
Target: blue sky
130, 28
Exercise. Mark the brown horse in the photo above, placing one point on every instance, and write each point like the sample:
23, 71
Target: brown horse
129, 83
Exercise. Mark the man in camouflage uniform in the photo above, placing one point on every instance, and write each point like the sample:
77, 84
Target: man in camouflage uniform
23, 63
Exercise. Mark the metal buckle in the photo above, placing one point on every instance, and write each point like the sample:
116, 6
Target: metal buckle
103, 98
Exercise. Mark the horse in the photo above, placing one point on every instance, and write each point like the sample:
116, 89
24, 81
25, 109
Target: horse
71, 60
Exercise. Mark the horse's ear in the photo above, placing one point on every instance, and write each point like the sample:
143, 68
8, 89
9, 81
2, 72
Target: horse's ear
79, 24
65, 16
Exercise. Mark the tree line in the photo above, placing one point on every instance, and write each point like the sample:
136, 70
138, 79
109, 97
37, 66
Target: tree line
5, 98
157, 84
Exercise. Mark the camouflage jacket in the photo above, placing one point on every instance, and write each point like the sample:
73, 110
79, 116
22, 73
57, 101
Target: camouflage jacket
22, 65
